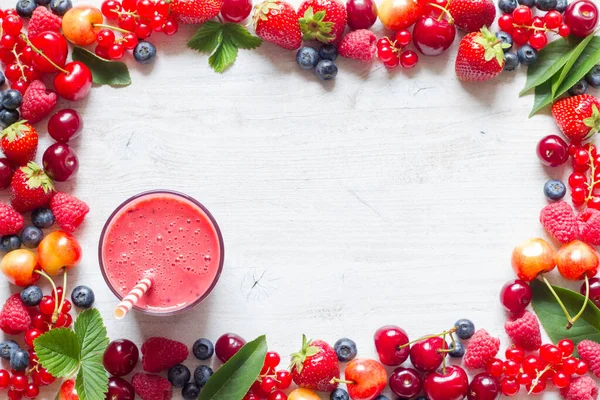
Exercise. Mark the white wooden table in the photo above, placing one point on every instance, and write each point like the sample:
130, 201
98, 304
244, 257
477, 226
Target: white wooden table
378, 198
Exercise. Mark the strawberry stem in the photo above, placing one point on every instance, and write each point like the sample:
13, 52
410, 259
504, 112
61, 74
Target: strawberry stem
41, 53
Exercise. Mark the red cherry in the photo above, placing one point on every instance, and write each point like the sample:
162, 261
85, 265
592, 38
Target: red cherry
388, 340
594, 293
6, 173
515, 295
582, 17
426, 356
75, 84
483, 387
405, 382
64, 125
228, 345
408, 59
453, 384
432, 36
119, 389
362, 14
236, 10
553, 151
54, 46
60, 163
120, 357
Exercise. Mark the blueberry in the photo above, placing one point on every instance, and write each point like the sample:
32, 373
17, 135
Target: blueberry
554, 189
9, 117
12, 99
464, 328
42, 217
7, 347
527, 55
561, 5
179, 375
328, 52
19, 360
83, 297
9, 243
60, 7
580, 87
511, 61
42, 2
507, 6
31, 296
593, 77
528, 3
457, 351
25, 8
546, 5
190, 391
144, 52
339, 394
2, 80
345, 349
307, 57
326, 70
31, 236
202, 374
203, 349
505, 38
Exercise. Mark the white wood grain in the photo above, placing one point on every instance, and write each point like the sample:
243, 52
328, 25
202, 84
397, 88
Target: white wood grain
379, 198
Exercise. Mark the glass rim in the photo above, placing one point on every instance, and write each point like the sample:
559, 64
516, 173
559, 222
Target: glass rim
211, 219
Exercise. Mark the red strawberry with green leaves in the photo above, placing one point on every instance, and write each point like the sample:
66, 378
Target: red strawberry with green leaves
195, 11
276, 22
30, 188
480, 56
315, 365
322, 20
19, 143
472, 15
577, 117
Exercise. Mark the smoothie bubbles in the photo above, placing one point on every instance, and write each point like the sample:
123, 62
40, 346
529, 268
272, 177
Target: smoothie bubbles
161, 253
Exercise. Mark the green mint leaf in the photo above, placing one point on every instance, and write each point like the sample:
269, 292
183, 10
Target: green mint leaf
240, 37
569, 64
104, 72
207, 38
553, 319
224, 56
92, 381
92, 335
589, 57
550, 60
235, 377
58, 351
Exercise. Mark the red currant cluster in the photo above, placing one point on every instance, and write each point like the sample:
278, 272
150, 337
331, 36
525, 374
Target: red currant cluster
585, 179
15, 54
270, 384
554, 363
25, 384
524, 27
136, 19
393, 53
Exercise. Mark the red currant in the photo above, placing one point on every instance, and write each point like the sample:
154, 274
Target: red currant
537, 22
525, 378
31, 74
495, 367
267, 384
8, 41
522, 15
272, 359
582, 367
116, 51
127, 22
532, 364
577, 179
41, 322
403, 38
14, 395
511, 368
66, 307
110, 8
32, 391
578, 195
536, 386
283, 379
383, 42
538, 40
567, 347
581, 157
31, 335
18, 382
46, 377
170, 27
105, 38
143, 30
20, 86
564, 30
393, 62
386, 54
521, 36
553, 19
594, 202
505, 22
514, 353
4, 379
551, 353
277, 395
162, 7
129, 41
145, 8
12, 25
47, 305
101, 52
569, 365
12, 72
6, 56
129, 5
408, 59
509, 386
561, 379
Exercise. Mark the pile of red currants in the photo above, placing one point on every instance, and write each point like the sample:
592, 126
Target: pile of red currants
392, 52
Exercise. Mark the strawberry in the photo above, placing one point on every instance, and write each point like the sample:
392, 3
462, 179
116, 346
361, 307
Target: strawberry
30, 188
276, 21
19, 142
480, 56
323, 20
472, 15
195, 11
577, 117
315, 366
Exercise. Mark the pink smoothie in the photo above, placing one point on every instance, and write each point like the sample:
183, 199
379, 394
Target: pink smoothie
166, 236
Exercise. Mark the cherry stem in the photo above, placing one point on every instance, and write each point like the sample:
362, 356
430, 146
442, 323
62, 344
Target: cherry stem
444, 356
114, 28
41, 53
337, 380
448, 350
560, 303
587, 297
451, 330
444, 11
17, 57
62, 300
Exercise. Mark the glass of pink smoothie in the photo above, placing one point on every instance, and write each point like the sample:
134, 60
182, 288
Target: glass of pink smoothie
168, 236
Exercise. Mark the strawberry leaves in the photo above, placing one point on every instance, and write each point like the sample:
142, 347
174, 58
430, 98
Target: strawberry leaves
314, 26
222, 41
306, 351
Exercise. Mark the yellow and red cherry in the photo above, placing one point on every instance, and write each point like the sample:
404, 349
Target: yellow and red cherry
365, 378
18, 266
57, 251
74, 81
53, 46
303, 394
401, 14
450, 384
576, 260
79, 24
533, 257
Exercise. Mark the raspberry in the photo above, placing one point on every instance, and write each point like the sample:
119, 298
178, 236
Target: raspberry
481, 348
559, 221
589, 351
68, 211
584, 388
152, 387
37, 102
11, 222
43, 20
589, 226
14, 317
358, 45
160, 353
524, 330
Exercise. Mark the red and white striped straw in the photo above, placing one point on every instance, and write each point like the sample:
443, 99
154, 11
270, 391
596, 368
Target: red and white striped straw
132, 298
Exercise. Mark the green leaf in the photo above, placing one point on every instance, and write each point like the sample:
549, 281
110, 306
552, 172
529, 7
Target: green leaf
92, 335
58, 351
207, 38
104, 72
92, 381
553, 319
567, 68
586, 61
240, 36
543, 97
235, 377
550, 60
224, 55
